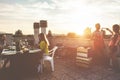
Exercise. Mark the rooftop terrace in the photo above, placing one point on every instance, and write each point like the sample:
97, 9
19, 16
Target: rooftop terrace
65, 69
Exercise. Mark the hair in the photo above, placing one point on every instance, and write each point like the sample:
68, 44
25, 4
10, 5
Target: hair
42, 37
3, 36
116, 28
97, 26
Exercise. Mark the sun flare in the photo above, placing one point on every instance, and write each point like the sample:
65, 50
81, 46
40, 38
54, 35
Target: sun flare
79, 31
82, 17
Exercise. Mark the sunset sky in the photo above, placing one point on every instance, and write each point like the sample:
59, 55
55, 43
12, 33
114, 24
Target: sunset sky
63, 16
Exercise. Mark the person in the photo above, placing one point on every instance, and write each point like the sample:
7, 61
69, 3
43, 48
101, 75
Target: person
2, 45
43, 43
2, 42
113, 46
49, 37
98, 45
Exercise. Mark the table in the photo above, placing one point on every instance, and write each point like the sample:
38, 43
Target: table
21, 64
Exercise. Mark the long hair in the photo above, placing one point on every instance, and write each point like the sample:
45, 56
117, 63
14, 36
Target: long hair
42, 37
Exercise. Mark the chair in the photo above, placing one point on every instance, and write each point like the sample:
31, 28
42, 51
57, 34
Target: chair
50, 57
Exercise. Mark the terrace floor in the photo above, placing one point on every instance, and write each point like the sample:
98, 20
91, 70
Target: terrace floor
65, 69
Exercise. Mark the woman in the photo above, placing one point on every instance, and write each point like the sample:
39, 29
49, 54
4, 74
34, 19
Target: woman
43, 43
113, 46
98, 45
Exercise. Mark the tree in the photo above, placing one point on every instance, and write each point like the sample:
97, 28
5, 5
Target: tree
18, 33
49, 33
87, 32
18, 37
71, 34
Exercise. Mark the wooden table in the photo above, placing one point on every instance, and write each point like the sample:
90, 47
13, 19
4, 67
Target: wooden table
21, 64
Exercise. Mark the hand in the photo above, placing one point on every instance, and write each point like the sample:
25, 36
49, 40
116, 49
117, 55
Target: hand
107, 28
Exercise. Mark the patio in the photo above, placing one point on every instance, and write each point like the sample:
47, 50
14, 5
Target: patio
65, 69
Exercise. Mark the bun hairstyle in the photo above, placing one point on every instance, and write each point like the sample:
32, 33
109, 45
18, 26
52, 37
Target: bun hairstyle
116, 28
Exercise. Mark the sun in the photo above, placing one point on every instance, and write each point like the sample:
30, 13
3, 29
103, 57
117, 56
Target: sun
79, 31
82, 17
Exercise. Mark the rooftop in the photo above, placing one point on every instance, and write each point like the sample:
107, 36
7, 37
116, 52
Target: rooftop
65, 69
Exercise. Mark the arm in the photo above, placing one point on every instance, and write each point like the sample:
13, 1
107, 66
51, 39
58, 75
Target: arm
109, 30
118, 40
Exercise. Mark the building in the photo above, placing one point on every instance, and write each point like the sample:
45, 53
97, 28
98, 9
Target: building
36, 32
43, 26
36, 26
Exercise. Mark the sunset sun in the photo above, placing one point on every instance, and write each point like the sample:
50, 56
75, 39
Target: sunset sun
79, 31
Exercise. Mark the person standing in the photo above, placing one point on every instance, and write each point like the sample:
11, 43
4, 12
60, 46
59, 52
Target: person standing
113, 46
50, 37
98, 45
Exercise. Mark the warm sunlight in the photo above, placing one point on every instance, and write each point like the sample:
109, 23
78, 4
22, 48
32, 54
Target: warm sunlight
79, 31
31, 30
80, 18
62, 16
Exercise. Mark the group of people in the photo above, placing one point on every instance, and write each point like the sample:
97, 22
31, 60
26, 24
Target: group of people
113, 45
43, 43
99, 45
100, 56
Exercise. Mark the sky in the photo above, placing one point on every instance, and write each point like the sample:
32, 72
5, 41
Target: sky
63, 16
